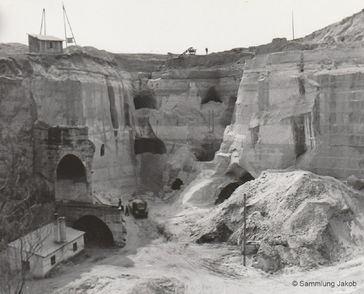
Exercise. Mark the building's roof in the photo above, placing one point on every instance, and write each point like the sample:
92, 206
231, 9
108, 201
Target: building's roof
45, 37
41, 241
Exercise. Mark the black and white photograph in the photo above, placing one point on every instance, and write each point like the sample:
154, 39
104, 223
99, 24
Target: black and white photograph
181, 147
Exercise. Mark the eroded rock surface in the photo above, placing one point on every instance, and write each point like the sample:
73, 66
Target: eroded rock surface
301, 109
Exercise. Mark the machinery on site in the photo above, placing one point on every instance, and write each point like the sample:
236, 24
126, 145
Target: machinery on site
189, 51
138, 208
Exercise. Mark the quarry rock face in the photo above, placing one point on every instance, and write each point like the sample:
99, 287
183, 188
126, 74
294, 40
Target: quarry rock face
72, 91
187, 101
17, 115
129, 114
300, 109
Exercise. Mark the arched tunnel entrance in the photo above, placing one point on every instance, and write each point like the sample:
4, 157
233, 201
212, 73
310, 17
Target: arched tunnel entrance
229, 189
71, 180
97, 232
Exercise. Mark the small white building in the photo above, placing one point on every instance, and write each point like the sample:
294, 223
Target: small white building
44, 248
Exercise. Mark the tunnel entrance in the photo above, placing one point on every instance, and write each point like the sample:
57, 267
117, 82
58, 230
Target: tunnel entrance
206, 151
211, 95
229, 189
97, 232
151, 145
71, 180
176, 185
145, 99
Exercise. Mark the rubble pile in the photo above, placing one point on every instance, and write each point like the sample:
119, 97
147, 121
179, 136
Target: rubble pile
294, 218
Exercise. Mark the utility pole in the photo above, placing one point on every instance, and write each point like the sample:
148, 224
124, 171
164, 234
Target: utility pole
244, 236
64, 25
292, 26
43, 23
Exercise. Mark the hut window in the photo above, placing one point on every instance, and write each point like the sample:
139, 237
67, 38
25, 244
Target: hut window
53, 260
75, 246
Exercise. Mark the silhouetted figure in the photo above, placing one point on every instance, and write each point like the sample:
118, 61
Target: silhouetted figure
207, 50
120, 206
126, 210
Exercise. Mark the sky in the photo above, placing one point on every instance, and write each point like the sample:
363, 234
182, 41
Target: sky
161, 26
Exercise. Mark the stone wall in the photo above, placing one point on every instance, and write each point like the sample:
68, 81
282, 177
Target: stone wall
66, 150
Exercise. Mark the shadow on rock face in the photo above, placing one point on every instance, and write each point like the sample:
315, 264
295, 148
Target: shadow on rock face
220, 234
149, 145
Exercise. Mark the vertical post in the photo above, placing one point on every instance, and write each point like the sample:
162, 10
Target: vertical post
244, 237
45, 24
213, 120
292, 25
41, 23
65, 26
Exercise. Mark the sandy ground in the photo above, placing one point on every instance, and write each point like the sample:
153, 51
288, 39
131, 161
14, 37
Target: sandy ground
201, 268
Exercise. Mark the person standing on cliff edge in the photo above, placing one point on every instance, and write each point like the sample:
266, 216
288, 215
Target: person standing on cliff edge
120, 206
207, 50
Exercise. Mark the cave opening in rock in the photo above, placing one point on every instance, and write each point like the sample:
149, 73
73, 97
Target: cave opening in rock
177, 183
229, 189
211, 95
102, 150
299, 135
207, 150
71, 182
149, 145
145, 99
113, 112
97, 232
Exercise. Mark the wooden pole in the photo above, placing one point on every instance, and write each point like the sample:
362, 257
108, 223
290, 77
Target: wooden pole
41, 23
244, 236
293, 26
64, 25
45, 22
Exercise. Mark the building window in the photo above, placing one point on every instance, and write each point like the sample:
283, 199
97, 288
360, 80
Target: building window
75, 246
50, 45
53, 260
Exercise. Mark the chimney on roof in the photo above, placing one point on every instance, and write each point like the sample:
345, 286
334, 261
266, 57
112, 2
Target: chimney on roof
62, 229
59, 229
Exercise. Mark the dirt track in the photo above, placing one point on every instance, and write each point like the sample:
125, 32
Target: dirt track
201, 268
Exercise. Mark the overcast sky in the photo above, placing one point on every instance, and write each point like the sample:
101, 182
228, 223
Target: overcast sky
161, 26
